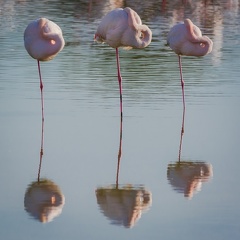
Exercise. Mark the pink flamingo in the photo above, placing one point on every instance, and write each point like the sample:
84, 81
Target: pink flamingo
186, 39
123, 28
43, 40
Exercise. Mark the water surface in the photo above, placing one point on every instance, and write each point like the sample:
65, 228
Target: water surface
154, 180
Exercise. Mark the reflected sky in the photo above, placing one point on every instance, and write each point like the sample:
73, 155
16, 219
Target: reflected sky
81, 149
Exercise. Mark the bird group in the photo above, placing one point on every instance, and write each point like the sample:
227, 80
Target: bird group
43, 39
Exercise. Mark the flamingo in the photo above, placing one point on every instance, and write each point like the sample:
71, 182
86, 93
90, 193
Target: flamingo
43, 39
123, 28
186, 39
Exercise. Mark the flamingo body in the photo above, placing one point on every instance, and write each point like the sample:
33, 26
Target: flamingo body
186, 39
43, 39
123, 28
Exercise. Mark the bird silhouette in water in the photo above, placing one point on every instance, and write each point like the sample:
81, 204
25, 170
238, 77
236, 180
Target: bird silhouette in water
123, 28
43, 39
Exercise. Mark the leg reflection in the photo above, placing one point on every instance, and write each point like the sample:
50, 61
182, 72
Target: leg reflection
119, 152
41, 150
181, 136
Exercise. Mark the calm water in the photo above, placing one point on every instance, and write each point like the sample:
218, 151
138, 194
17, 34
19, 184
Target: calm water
97, 179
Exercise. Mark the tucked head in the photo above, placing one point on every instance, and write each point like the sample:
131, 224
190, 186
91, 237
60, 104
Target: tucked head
43, 39
186, 39
203, 44
123, 28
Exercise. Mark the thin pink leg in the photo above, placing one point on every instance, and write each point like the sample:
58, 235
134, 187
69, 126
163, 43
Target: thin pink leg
120, 82
182, 81
41, 88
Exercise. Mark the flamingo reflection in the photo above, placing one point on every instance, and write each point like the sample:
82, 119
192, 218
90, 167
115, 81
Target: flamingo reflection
123, 204
43, 199
187, 176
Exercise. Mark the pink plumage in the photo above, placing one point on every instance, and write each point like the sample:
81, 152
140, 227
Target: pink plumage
187, 39
123, 28
43, 40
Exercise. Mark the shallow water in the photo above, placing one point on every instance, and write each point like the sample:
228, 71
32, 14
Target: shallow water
92, 182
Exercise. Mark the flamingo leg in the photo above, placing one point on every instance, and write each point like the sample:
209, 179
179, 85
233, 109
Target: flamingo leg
119, 82
41, 88
182, 81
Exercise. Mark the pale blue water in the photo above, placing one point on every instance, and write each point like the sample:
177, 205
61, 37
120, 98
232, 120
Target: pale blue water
197, 198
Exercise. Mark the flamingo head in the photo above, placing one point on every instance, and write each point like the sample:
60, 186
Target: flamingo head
136, 35
197, 44
123, 28
43, 39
